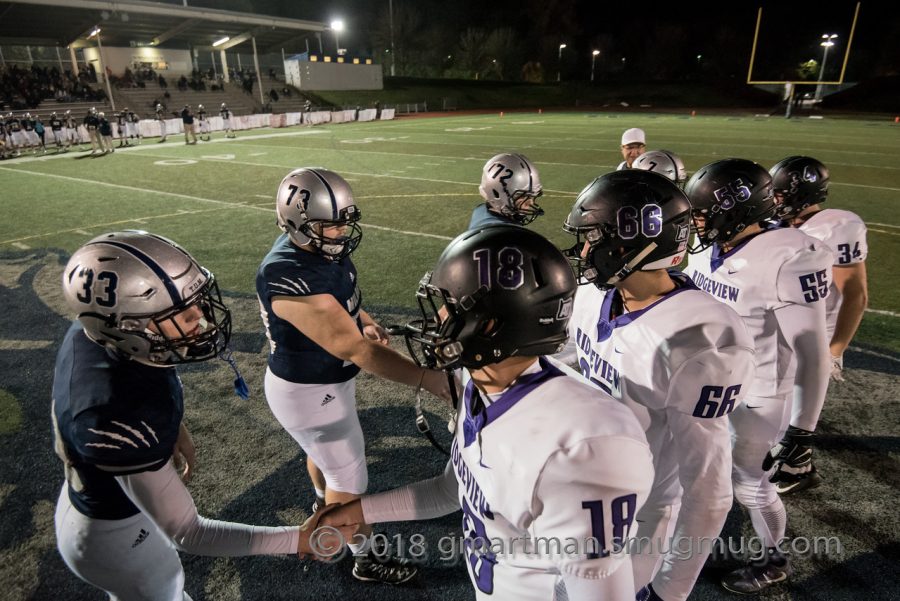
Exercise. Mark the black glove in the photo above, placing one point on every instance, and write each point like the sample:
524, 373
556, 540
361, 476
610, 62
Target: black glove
790, 457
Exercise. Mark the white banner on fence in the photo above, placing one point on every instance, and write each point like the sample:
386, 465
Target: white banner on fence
367, 115
387, 114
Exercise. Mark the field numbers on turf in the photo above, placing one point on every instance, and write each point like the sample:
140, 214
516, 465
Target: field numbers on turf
467, 128
373, 139
174, 162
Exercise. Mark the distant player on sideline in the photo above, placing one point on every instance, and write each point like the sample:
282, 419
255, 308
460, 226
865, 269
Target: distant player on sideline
133, 126
225, 113
203, 122
144, 305
801, 186
681, 360
633, 145
122, 127
777, 280
73, 136
537, 454
56, 126
510, 187
161, 119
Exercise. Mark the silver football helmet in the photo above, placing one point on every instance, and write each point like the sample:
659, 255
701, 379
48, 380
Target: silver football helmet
128, 287
510, 185
663, 162
311, 199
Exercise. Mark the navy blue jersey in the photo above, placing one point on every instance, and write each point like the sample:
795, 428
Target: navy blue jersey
482, 216
290, 271
111, 411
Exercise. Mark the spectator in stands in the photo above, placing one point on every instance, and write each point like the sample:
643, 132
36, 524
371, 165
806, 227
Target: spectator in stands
273, 95
286, 92
162, 82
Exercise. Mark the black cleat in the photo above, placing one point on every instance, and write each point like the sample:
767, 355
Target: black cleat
757, 577
373, 567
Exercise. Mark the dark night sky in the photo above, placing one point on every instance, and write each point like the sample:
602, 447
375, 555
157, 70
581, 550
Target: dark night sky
646, 32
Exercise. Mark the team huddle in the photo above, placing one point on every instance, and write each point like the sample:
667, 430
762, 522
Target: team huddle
619, 393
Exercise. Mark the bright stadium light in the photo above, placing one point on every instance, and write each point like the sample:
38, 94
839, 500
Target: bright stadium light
559, 64
221, 41
827, 42
94, 31
593, 60
337, 26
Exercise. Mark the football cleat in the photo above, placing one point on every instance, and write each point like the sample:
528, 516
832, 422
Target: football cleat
758, 577
375, 567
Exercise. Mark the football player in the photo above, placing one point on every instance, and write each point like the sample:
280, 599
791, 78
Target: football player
664, 162
56, 126
682, 361
801, 186
538, 454
133, 126
122, 126
92, 124
510, 187
225, 113
634, 142
144, 305
161, 119
777, 280
73, 136
320, 337
204, 123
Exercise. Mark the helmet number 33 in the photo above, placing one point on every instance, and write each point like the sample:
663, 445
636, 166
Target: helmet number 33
508, 275
107, 297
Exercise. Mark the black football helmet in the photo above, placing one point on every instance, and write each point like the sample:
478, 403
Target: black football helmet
727, 196
631, 219
799, 182
496, 292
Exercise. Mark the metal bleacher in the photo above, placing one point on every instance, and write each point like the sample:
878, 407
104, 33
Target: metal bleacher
140, 100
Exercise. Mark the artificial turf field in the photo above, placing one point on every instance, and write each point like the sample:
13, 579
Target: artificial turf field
416, 182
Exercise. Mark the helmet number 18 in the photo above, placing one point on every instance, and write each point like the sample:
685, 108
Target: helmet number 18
509, 274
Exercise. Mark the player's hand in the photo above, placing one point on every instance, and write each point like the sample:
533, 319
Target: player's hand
791, 456
837, 368
185, 454
436, 382
322, 541
349, 514
376, 332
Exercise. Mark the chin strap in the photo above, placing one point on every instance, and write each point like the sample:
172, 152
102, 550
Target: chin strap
240, 386
422, 422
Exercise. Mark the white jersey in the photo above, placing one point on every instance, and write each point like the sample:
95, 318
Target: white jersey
551, 460
768, 271
845, 234
682, 365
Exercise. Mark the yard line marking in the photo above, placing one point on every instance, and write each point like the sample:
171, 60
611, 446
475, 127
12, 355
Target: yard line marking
180, 213
408, 233
883, 224
856, 349
21, 246
883, 312
426, 194
872, 229
234, 205
864, 185
24, 345
263, 195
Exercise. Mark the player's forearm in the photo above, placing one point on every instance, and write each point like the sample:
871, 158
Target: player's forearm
422, 500
853, 306
384, 362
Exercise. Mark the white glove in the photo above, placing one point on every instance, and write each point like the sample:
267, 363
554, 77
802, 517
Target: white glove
837, 368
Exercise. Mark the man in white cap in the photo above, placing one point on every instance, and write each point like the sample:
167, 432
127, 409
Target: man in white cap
633, 145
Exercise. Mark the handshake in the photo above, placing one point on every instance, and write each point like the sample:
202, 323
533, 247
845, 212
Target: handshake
325, 534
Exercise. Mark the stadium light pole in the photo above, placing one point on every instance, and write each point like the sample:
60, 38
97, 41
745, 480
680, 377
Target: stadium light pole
559, 64
826, 43
393, 55
337, 26
593, 61
96, 32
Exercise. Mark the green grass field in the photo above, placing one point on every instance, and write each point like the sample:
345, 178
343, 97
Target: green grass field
416, 181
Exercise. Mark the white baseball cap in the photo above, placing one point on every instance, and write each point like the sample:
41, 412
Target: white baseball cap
633, 135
